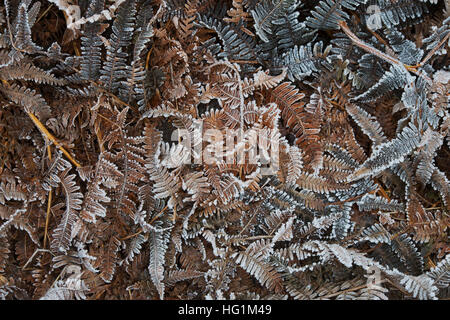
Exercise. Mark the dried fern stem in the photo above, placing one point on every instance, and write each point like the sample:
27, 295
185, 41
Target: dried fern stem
50, 137
373, 50
49, 205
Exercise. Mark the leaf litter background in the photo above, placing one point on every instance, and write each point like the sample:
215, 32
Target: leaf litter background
95, 202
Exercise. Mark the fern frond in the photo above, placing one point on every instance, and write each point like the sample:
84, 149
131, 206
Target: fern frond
237, 45
291, 164
10, 190
406, 50
328, 13
400, 12
237, 12
13, 216
91, 44
405, 249
175, 276
440, 183
317, 184
22, 30
389, 153
92, 207
263, 80
268, 11
304, 60
134, 247
376, 234
421, 287
108, 258
371, 202
252, 262
426, 154
368, 123
397, 77
197, 185
27, 71
135, 82
115, 69
303, 125
62, 235
72, 288
166, 184
441, 273
158, 246
31, 101
4, 252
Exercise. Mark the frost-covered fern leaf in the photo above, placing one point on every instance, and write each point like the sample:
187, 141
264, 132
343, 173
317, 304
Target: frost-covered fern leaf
22, 30
91, 44
31, 101
133, 173
268, 11
263, 80
108, 257
406, 50
27, 71
441, 273
421, 287
376, 234
14, 217
175, 276
105, 174
373, 292
62, 235
389, 154
197, 185
158, 246
371, 202
11, 190
368, 123
92, 208
293, 162
440, 183
405, 249
255, 263
317, 183
33, 12
135, 82
166, 184
304, 60
4, 252
328, 13
72, 288
399, 12
330, 251
397, 77
425, 157
342, 225
116, 67
53, 176
236, 44
438, 36
134, 247
280, 30
288, 31
370, 70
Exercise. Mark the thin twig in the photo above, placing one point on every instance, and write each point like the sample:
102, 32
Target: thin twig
433, 51
49, 204
367, 47
378, 53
